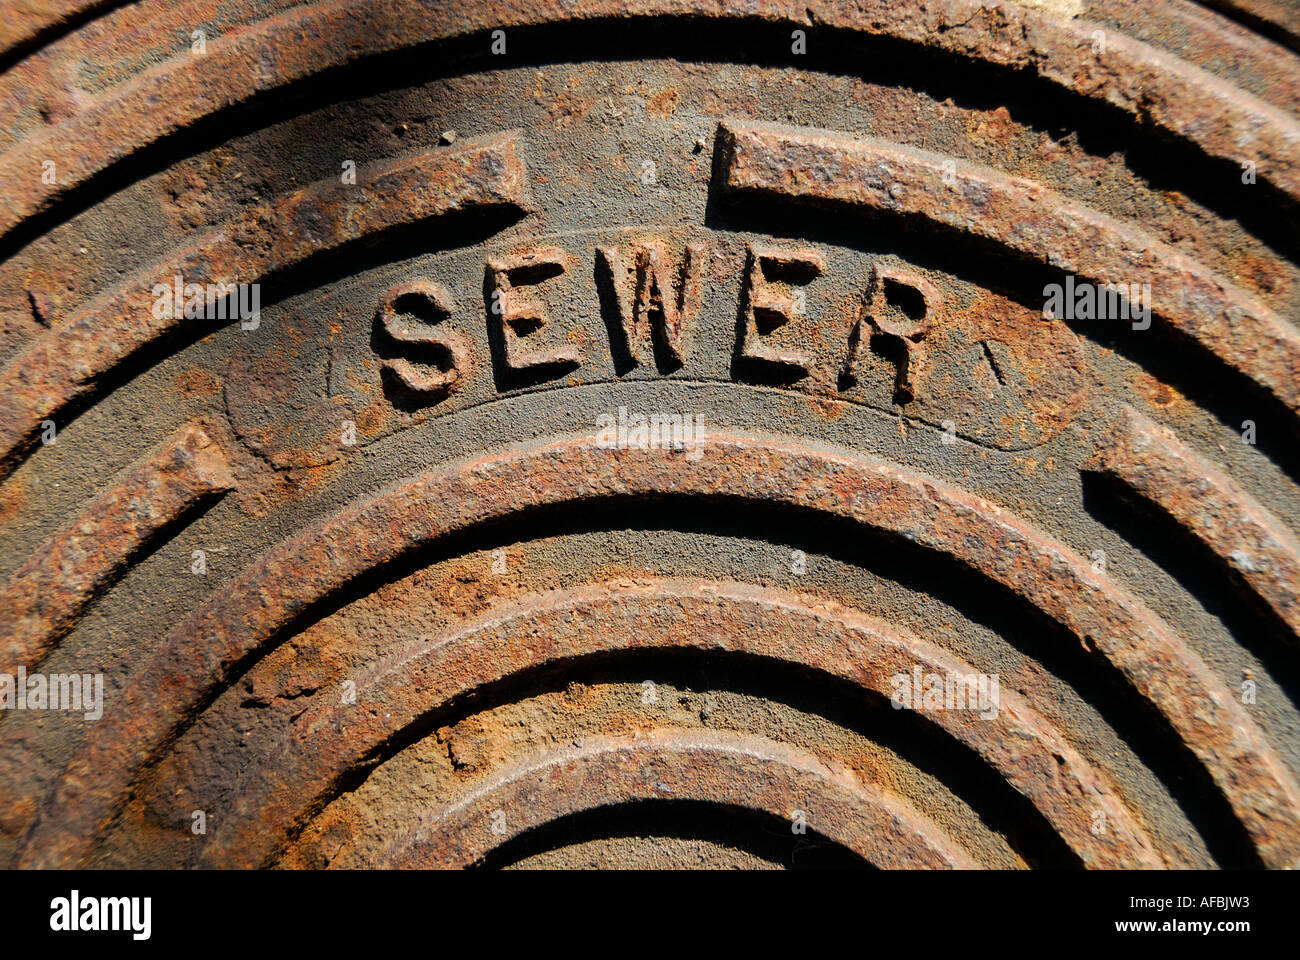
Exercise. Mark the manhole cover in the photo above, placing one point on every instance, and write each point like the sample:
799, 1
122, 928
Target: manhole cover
656, 434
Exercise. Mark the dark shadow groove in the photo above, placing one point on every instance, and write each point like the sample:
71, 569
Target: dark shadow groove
1101, 129
1226, 395
1135, 721
1218, 588
144, 549
455, 230
759, 834
984, 602
1276, 32
131, 367
57, 31
912, 736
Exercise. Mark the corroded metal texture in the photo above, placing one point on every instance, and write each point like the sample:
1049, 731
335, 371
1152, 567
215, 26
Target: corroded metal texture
744, 775
661, 433
746, 620
46, 594
1027, 219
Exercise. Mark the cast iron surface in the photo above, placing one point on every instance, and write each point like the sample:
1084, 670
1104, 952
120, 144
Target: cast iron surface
387, 577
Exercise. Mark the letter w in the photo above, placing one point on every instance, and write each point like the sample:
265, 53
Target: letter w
644, 299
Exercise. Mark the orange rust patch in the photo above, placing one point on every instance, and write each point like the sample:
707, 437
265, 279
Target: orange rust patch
827, 408
997, 126
663, 103
12, 497
197, 382
1155, 392
1261, 274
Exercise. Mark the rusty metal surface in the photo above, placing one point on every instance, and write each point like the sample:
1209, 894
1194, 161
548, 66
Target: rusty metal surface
763, 623
744, 774
513, 435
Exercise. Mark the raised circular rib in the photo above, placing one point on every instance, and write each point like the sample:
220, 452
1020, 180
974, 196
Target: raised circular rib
67, 361
1210, 41
1247, 539
328, 741
1221, 120
745, 772
45, 595
1138, 132
1028, 219
201, 652
26, 21
1277, 17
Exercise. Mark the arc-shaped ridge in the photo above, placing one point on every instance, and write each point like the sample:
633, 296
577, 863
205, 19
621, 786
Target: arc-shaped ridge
1275, 16
66, 361
746, 772
1027, 218
1210, 505
45, 594
1147, 84
200, 654
329, 739
1212, 41
26, 21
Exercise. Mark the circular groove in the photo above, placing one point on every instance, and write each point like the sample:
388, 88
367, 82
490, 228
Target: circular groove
240, 620
1033, 757
716, 769
1170, 94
